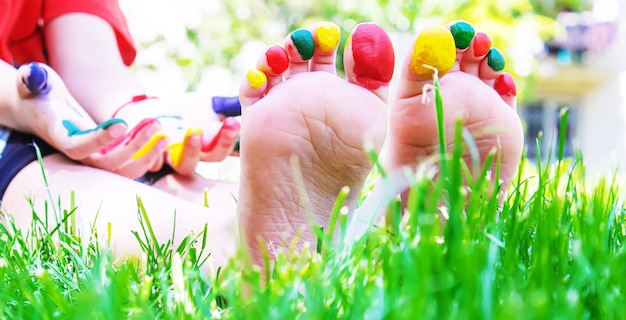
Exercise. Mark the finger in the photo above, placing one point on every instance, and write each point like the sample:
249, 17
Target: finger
80, 144
139, 166
183, 157
138, 142
158, 164
223, 143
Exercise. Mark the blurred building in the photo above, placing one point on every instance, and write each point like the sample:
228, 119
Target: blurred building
584, 69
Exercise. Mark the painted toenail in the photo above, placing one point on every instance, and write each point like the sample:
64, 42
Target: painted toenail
505, 85
495, 59
37, 80
303, 41
434, 47
256, 78
482, 44
373, 56
277, 59
463, 34
328, 36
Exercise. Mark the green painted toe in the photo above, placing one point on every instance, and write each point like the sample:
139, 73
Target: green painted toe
463, 34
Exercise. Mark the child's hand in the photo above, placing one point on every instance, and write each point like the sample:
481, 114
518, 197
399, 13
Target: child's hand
195, 132
50, 112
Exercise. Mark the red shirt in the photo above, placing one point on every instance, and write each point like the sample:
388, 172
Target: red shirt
22, 22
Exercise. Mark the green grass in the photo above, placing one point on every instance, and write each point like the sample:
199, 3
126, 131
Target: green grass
552, 249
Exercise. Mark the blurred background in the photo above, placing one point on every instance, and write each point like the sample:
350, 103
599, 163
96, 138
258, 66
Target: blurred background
563, 53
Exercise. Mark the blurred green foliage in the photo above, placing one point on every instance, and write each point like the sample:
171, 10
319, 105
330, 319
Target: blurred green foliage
225, 31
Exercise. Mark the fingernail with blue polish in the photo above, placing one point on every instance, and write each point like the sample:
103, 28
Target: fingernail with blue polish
227, 106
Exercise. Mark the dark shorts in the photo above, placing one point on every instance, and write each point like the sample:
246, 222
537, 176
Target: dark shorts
20, 151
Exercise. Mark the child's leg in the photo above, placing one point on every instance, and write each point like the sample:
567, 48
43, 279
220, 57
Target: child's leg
113, 199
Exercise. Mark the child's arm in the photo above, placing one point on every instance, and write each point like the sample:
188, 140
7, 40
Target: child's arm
34, 100
83, 49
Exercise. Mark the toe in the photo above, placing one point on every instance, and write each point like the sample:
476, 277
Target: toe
506, 88
252, 88
463, 33
478, 49
434, 47
369, 58
491, 66
300, 48
326, 36
273, 63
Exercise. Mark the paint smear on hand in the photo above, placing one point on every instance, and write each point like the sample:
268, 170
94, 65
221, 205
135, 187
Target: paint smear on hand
373, 56
127, 138
434, 47
72, 129
158, 136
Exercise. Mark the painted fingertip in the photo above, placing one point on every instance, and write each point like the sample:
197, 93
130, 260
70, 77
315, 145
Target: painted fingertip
158, 136
505, 85
482, 44
433, 47
277, 59
37, 79
463, 33
208, 144
328, 36
226, 106
373, 55
256, 78
193, 131
495, 59
303, 41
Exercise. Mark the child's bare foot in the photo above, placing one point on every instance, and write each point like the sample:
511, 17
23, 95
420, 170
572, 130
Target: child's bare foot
295, 106
475, 89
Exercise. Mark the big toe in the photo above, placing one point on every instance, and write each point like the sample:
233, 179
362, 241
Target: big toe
369, 58
433, 50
